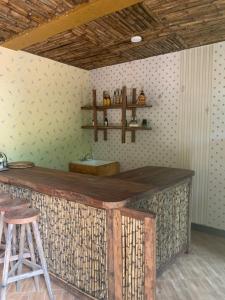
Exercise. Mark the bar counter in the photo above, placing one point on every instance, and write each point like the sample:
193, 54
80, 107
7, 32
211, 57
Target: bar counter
98, 233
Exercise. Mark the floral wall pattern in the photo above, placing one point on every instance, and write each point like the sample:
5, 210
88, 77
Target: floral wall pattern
159, 77
40, 109
216, 185
187, 91
40, 116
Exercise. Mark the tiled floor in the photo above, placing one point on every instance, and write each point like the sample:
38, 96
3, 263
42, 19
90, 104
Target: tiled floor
197, 276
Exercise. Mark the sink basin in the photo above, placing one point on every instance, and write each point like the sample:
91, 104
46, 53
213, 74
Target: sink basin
93, 162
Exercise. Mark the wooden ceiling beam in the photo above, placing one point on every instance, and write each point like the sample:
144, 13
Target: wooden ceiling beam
77, 16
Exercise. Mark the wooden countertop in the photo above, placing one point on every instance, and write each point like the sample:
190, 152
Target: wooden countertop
157, 177
100, 192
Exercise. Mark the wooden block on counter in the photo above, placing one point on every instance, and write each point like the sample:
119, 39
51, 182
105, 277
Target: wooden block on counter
95, 167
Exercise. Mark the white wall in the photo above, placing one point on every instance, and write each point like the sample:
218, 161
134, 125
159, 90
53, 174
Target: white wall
187, 90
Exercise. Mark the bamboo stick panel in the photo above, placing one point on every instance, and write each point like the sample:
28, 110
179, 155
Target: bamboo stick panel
74, 240
172, 208
76, 246
133, 258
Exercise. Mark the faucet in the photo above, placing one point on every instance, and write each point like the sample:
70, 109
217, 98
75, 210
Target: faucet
87, 156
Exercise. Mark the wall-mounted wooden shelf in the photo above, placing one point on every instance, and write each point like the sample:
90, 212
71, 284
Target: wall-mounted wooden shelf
99, 127
119, 106
123, 107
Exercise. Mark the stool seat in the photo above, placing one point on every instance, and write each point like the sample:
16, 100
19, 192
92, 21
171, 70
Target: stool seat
21, 216
12, 204
5, 196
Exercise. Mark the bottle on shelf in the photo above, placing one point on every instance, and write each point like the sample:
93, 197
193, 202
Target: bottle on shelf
108, 99
141, 98
117, 96
114, 98
106, 123
104, 98
144, 123
121, 97
109, 102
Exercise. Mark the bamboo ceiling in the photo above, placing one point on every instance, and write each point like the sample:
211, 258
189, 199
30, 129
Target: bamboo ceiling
165, 25
19, 15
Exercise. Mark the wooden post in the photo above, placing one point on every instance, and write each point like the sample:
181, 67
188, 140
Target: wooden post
134, 101
105, 130
95, 119
189, 217
150, 258
124, 106
114, 254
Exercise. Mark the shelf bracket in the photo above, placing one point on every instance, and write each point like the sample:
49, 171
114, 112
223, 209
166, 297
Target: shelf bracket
95, 115
105, 130
134, 101
124, 106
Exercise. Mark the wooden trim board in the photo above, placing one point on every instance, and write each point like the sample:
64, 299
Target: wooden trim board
79, 15
207, 229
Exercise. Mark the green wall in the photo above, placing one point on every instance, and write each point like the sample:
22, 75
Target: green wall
40, 116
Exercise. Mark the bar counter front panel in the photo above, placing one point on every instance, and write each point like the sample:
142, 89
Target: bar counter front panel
75, 237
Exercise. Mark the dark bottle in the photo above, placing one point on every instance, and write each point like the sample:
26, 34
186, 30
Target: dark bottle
114, 98
106, 123
121, 97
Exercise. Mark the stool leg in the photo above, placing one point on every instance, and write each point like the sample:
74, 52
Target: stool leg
13, 247
14, 241
42, 259
6, 262
1, 226
5, 229
21, 251
32, 255
1, 231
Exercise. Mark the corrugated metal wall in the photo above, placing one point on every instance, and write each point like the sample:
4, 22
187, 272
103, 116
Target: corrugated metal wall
194, 123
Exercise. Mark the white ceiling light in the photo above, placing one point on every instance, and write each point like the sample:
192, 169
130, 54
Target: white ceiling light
136, 39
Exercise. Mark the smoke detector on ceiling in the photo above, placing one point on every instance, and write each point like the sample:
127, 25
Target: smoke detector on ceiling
136, 39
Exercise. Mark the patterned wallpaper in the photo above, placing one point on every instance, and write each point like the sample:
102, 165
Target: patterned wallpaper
216, 200
159, 77
40, 116
187, 91
40, 109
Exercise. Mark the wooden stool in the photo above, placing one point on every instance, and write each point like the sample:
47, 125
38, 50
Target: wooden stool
24, 217
8, 204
